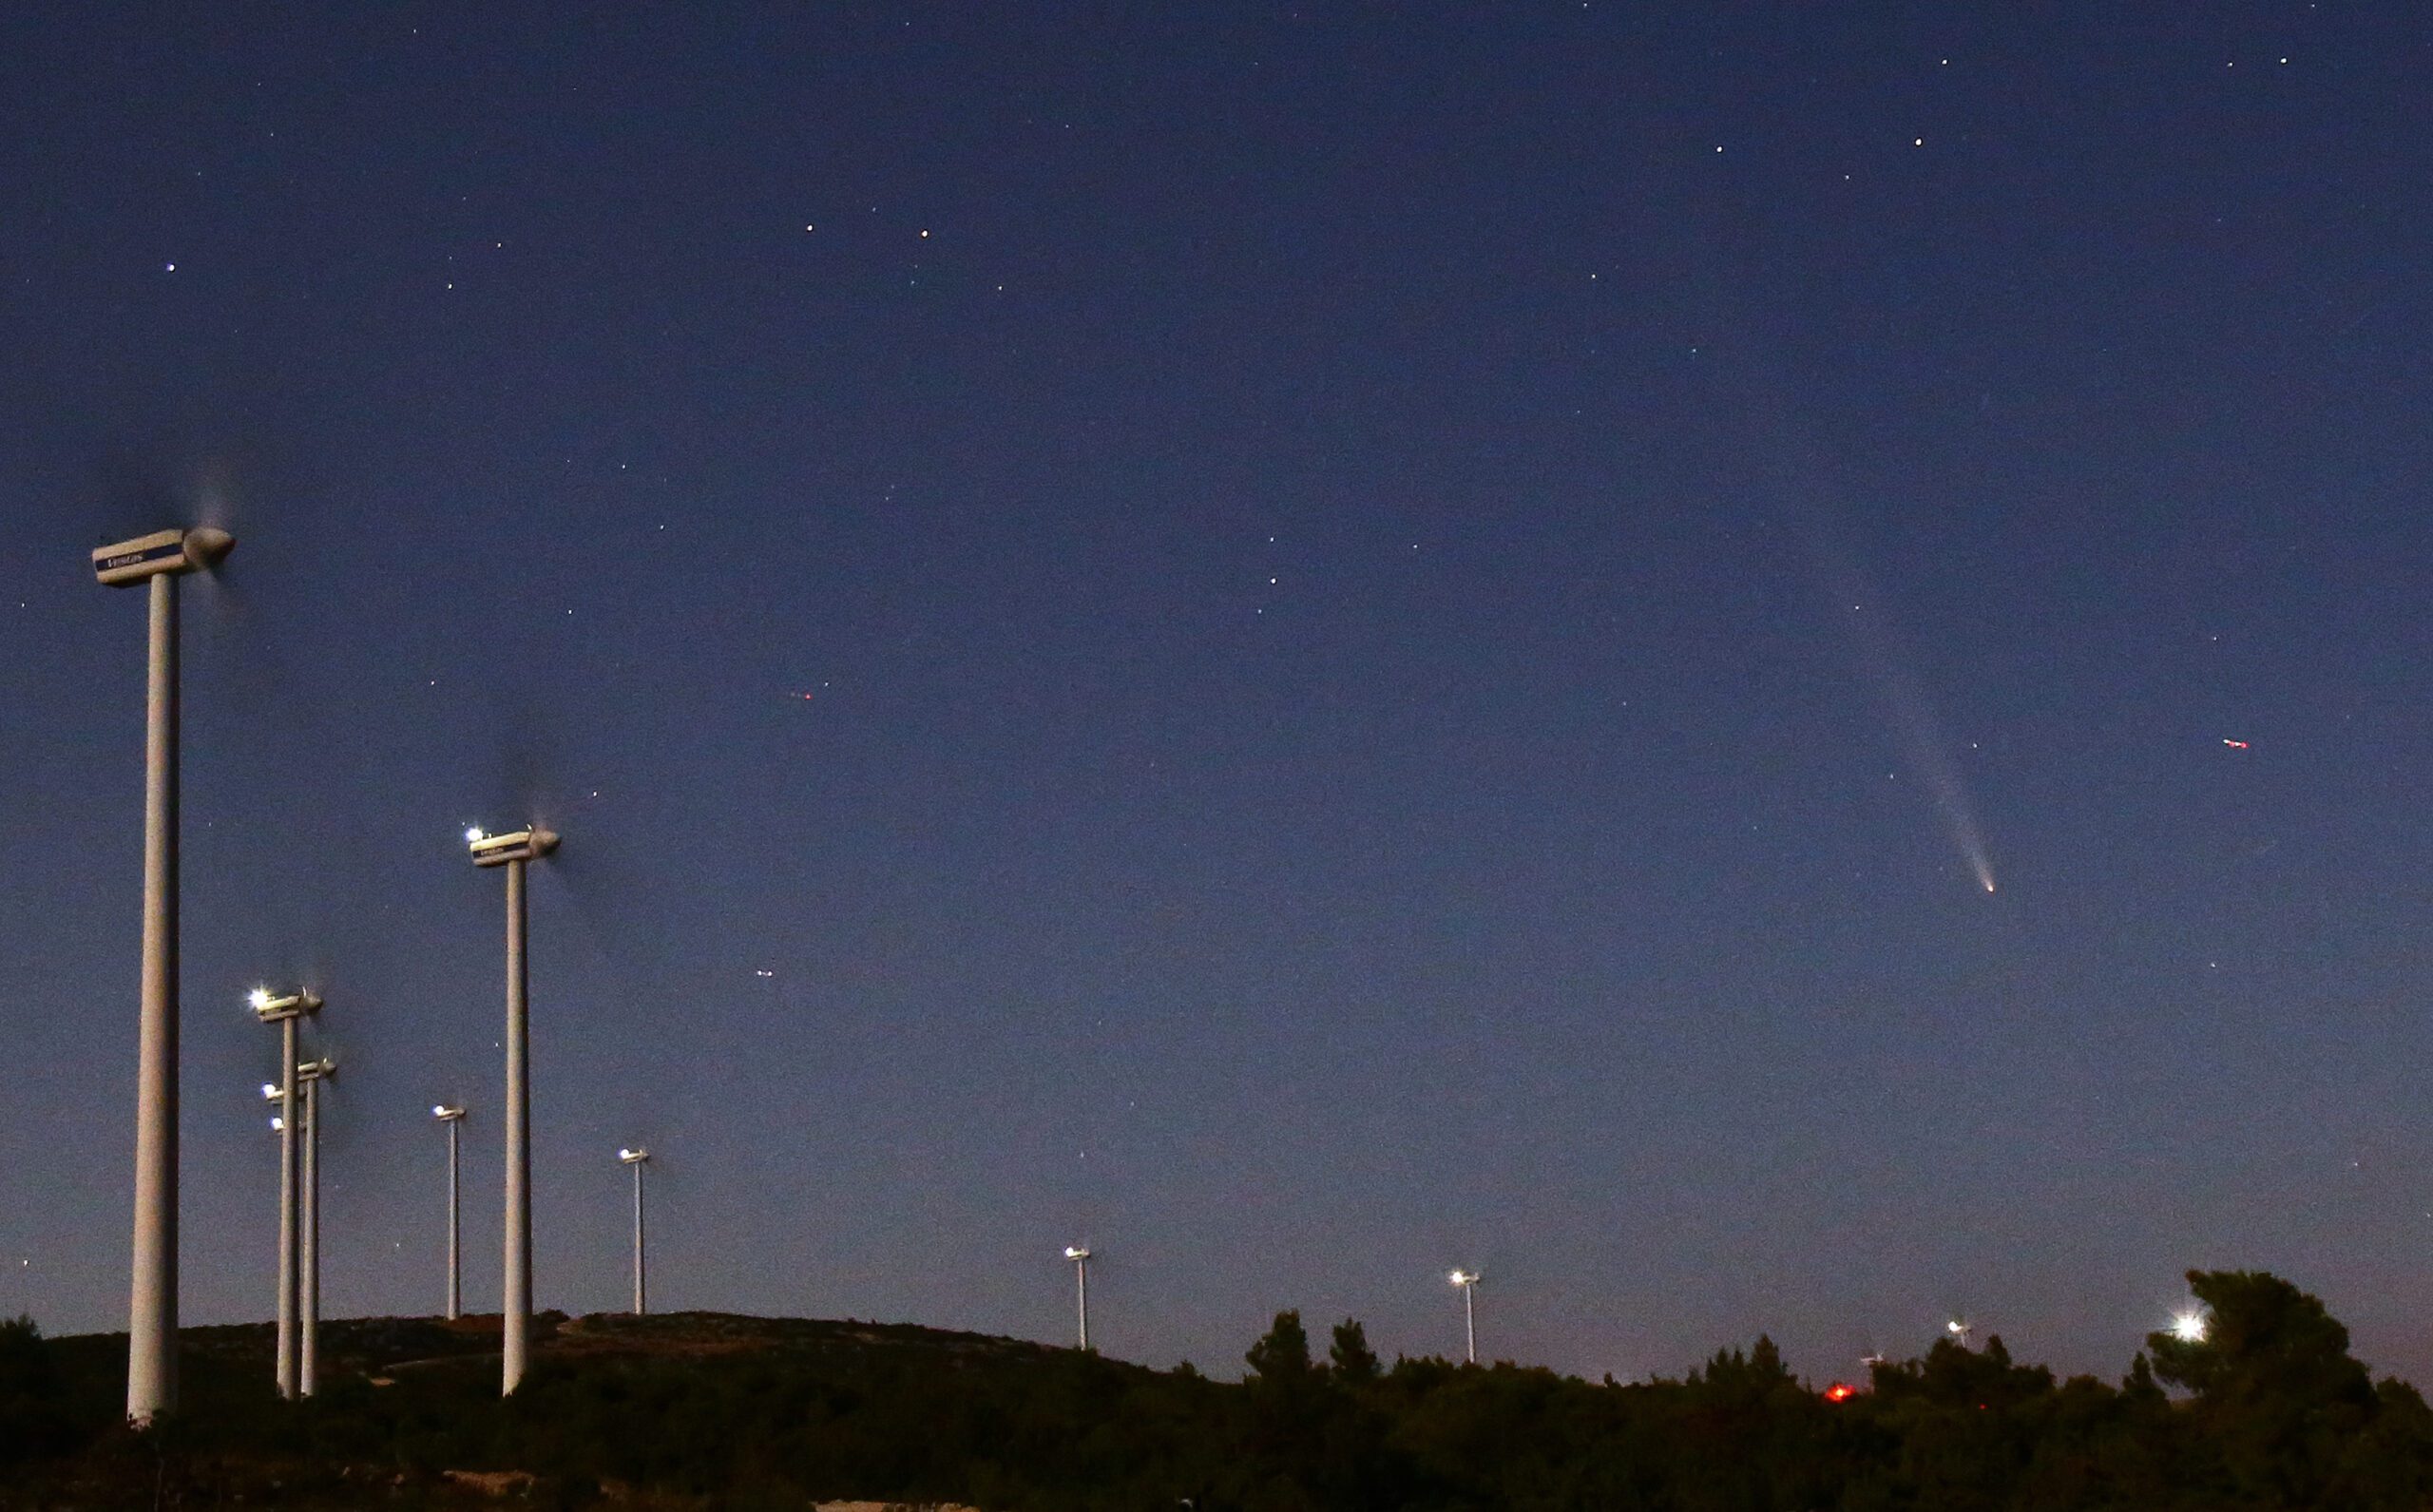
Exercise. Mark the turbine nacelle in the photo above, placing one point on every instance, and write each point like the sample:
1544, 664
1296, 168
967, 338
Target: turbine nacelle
271, 1009
528, 844
148, 556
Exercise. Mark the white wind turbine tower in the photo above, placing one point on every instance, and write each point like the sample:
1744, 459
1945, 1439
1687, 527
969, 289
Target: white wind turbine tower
454, 1119
1468, 1282
286, 1012
636, 1159
312, 1073
158, 560
1080, 1255
515, 851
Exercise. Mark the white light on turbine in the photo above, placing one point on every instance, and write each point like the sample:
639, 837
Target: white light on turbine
474, 836
258, 998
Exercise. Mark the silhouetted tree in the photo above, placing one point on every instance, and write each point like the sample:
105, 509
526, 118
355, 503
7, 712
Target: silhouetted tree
2140, 1385
2264, 1339
31, 1422
2276, 1391
1352, 1359
1282, 1353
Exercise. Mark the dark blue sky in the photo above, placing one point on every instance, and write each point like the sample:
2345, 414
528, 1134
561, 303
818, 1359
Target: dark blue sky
1407, 613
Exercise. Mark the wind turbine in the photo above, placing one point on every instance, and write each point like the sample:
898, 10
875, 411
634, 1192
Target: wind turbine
1080, 1255
454, 1119
159, 559
515, 851
286, 1012
1468, 1282
636, 1159
312, 1073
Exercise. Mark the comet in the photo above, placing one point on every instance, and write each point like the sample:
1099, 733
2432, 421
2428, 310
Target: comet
1911, 711
1930, 756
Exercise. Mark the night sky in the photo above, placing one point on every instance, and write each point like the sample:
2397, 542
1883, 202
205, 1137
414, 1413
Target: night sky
1306, 644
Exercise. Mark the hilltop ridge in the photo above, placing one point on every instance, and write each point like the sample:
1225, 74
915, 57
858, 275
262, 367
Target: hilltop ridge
374, 1346
717, 1411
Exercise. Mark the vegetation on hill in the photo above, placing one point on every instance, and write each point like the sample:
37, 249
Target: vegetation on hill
2268, 1411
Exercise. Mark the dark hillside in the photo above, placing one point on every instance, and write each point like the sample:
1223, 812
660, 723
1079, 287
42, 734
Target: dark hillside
717, 1410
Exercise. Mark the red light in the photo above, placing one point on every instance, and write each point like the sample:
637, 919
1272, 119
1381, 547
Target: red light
1840, 1391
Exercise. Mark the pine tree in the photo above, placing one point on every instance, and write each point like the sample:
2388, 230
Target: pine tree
1353, 1360
1283, 1353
